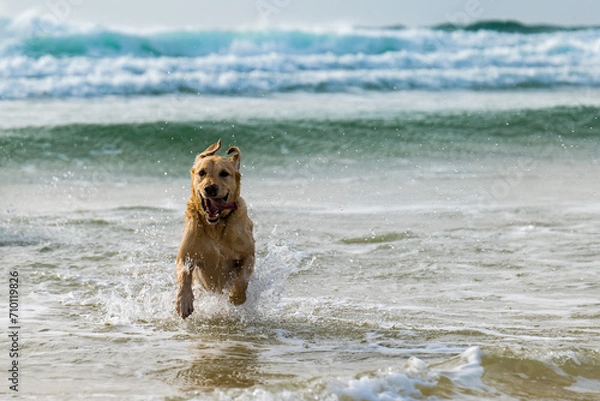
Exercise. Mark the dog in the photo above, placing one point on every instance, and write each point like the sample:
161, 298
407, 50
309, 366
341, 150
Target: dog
217, 248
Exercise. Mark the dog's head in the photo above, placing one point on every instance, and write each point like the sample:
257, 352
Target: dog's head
216, 182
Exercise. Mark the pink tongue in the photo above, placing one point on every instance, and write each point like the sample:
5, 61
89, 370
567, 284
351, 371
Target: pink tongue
215, 207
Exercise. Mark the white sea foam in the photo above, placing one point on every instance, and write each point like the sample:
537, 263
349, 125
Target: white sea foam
96, 61
410, 381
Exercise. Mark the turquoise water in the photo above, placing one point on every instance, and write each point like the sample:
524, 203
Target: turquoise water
396, 138
40, 60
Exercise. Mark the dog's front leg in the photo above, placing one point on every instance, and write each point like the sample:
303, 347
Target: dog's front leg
242, 273
184, 302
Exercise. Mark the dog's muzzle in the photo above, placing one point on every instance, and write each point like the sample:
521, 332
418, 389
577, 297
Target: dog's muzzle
214, 207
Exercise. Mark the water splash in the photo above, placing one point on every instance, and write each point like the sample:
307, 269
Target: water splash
147, 293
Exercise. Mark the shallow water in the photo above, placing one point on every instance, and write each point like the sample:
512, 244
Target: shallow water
412, 260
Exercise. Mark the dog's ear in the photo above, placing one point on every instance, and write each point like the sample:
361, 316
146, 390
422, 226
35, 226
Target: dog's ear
211, 150
236, 158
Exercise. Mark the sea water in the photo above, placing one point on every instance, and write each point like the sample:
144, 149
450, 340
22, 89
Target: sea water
426, 225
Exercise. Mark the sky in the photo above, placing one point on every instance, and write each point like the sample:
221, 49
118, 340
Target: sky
244, 13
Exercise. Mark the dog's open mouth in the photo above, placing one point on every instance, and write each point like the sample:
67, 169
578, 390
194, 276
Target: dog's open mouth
214, 207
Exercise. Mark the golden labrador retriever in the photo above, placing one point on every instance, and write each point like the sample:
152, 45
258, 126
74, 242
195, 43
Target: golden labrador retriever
217, 248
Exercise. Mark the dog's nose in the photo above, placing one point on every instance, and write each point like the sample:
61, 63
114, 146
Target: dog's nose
211, 190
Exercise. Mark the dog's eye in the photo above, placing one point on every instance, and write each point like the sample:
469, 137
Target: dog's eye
202, 173
224, 173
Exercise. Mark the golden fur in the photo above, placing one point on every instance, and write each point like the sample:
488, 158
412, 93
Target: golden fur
217, 248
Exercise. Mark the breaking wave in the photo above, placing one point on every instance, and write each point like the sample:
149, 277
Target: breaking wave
59, 61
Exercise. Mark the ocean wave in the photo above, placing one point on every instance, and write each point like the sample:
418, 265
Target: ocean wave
68, 61
136, 147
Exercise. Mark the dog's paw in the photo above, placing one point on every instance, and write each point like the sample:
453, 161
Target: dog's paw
184, 305
237, 298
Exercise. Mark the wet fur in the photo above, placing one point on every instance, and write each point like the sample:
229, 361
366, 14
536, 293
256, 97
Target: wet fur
219, 255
